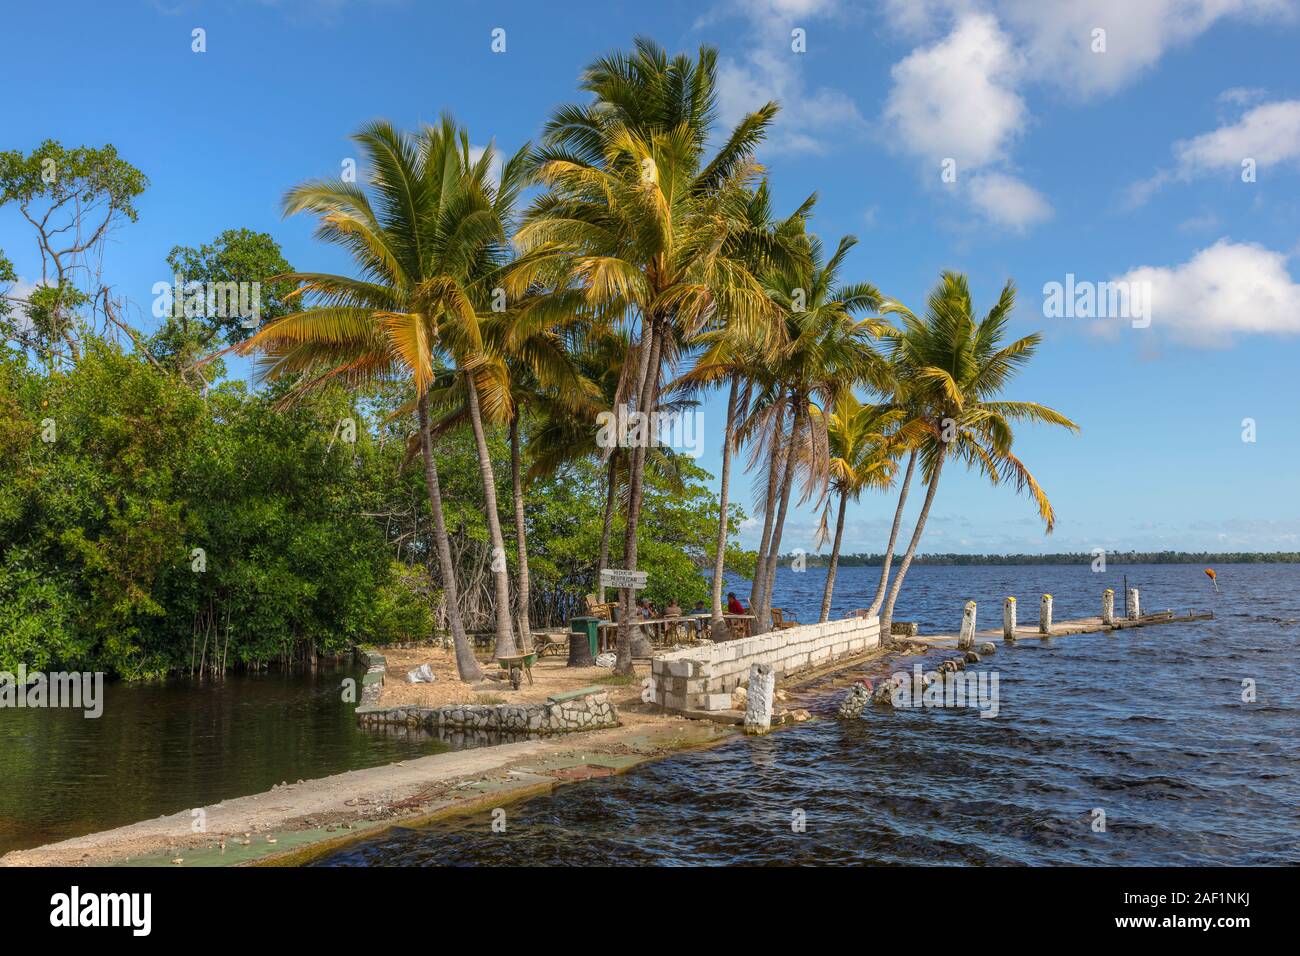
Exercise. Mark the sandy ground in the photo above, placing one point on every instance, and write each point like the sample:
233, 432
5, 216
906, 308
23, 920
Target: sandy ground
551, 675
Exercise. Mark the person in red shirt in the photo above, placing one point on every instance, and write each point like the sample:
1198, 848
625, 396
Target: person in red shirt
733, 604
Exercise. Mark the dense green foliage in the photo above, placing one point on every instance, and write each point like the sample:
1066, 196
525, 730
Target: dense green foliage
146, 530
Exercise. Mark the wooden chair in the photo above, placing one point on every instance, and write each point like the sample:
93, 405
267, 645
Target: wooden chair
597, 609
779, 622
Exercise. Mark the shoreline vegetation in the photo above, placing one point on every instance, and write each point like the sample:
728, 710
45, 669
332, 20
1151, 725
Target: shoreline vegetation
422, 450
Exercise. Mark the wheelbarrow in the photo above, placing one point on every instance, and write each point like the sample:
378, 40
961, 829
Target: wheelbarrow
518, 665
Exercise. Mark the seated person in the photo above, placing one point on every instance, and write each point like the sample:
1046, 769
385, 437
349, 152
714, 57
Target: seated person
701, 615
733, 604
673, 609
644, 610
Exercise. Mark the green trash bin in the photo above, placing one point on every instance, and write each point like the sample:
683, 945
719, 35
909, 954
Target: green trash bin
591, 627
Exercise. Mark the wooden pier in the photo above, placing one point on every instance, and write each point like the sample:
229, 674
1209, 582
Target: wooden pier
1086, 625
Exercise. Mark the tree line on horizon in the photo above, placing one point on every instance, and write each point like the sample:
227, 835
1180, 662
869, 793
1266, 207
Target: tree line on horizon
1065, 557
630, 259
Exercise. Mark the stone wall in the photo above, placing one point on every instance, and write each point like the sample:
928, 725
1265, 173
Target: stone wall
702, 678
563, 713
372, 684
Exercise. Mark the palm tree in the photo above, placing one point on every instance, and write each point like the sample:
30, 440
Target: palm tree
736, 353
529, 351
956, 367
563, 433
862, 439
428, 240
828, 351
638, 217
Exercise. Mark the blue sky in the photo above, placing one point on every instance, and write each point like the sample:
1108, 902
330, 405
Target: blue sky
1117, 164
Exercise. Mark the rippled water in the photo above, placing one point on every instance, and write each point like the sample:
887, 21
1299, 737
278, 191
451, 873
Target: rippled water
1147, 725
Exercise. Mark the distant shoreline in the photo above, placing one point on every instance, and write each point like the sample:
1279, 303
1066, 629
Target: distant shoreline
1112, 558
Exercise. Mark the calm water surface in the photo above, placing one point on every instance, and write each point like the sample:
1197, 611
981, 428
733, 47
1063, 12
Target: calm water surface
1147, 725
160, 748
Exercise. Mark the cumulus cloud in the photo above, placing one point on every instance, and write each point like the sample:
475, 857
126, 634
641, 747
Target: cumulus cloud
1056, 36
1227, 290
1007, 201
956, 99
1059, 35
1269, 134
810, 116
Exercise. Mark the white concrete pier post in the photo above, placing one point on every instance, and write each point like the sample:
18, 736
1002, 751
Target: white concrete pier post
1009, 620
1045, 615
758, 702
1108, 607
966, 638
1132, 606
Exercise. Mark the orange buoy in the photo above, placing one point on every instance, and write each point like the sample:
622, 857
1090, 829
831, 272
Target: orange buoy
1214, 578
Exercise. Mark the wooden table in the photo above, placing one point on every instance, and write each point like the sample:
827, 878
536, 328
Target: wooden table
658, 629
739, 624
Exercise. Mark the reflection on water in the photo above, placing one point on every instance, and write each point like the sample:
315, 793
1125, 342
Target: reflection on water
1148, 725
161, 748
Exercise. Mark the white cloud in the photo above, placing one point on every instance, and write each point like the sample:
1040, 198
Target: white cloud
956, 98
16, 296
1056, 36
1007, 201
771, 70
807, 115
1226, 290
1269, 134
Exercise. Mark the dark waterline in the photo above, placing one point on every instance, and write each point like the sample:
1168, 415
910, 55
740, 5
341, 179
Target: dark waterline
1146, 725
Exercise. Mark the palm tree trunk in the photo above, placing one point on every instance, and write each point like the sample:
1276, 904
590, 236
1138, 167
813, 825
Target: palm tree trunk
888, 558
775, 454
887, 617
719, 628
505, 645
835, 560
636, 479
763, 612
522, 590
466, 666
611, 495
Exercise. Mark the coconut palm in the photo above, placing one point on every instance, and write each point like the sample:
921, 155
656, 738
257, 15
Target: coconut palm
737, 353
527, 350
862, 441
955, 367
428, 241
638, 217
827, 351
562, 433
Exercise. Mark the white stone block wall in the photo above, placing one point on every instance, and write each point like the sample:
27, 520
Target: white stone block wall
702, 678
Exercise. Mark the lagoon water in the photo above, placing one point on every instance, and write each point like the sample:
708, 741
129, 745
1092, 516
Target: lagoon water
1146, 725
163, 747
